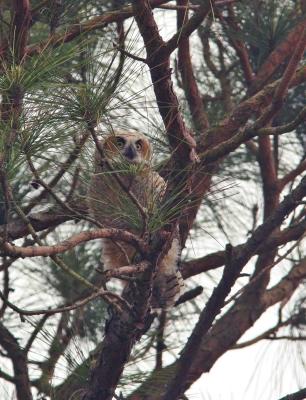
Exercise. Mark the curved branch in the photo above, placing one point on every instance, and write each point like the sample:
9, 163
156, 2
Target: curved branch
68, 244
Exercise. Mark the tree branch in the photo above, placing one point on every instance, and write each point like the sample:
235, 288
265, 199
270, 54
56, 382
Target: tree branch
194, 98
92, 24
277, 57
299, 395
45, 251
19, 360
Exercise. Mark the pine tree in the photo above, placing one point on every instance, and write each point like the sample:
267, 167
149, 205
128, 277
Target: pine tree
223, 101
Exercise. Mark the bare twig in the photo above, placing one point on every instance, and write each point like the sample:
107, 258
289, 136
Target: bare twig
110, 297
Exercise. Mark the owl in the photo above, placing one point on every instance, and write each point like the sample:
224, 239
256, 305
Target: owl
129, 155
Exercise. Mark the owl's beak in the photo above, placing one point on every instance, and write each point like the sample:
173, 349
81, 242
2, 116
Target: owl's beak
130, 153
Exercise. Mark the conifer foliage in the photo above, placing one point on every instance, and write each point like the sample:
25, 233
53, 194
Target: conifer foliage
218, 86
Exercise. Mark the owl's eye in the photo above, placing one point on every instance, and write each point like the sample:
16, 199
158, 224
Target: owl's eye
138, 145
120, 142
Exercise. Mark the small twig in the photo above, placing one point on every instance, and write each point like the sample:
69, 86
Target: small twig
130, 55
74, 184
64, 168
190, 295
264, 335
292, 175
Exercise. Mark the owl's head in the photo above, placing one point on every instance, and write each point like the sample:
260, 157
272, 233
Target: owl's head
131, 147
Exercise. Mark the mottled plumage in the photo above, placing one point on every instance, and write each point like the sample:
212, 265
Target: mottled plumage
129, 154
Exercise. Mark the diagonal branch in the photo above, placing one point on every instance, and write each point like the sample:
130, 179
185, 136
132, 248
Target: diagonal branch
240, 47
277, 57
188, 28
284, 84
299, 395
233, 266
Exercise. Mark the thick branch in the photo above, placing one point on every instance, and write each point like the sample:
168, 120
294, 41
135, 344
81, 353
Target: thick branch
299, 395
181, 141
224, 333
19, 360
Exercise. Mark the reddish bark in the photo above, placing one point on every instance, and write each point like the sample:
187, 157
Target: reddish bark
241, 49
193, 96
180, 139
277, 57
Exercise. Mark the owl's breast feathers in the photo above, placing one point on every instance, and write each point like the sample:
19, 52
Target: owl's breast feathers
112, 206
